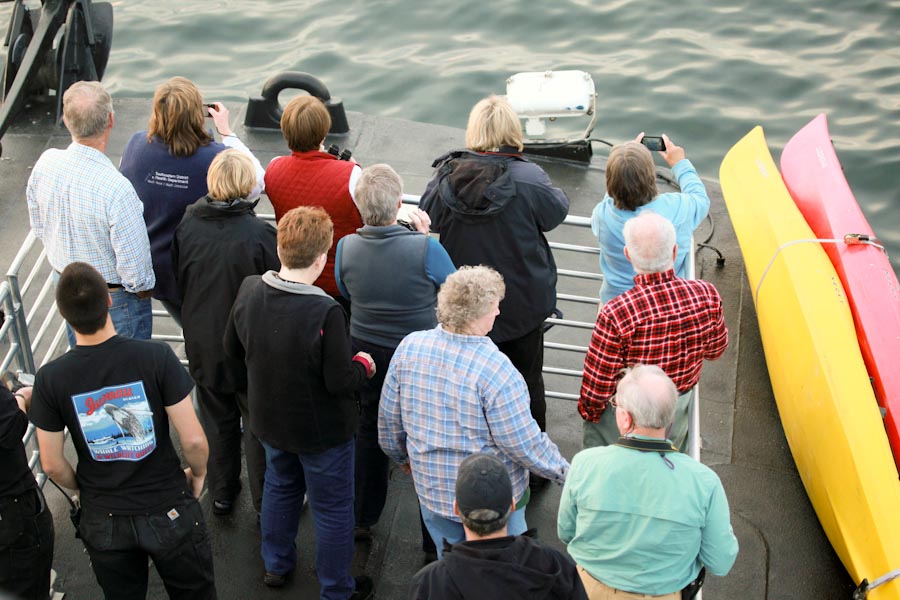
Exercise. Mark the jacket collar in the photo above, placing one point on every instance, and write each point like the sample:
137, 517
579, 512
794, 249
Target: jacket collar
272, 279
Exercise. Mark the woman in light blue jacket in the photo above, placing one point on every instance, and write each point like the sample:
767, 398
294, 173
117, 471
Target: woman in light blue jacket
631, 189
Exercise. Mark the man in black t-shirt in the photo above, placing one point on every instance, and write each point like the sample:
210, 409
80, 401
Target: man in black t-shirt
116, 396
26, 525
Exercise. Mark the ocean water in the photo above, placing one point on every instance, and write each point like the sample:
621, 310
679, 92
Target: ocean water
704, 72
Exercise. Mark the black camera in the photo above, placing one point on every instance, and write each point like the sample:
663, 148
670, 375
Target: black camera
335, 150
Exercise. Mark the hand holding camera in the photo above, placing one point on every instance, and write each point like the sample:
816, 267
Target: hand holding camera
670, 152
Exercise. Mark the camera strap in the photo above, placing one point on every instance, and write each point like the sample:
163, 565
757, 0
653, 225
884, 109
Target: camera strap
661, 446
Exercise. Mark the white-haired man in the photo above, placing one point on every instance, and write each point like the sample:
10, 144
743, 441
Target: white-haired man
84, 210
663, 320
641, 519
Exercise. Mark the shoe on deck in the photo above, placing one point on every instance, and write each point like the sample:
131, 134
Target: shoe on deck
275, 580
365, 589
223, 507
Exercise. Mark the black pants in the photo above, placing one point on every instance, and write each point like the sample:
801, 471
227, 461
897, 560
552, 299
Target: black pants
221, 414
26, 546
527, 356
373, 465
175, 539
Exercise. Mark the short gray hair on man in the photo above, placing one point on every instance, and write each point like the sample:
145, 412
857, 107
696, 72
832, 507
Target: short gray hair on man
467, 295
377, 194
650, 238
648, 394
482, 528
86, 109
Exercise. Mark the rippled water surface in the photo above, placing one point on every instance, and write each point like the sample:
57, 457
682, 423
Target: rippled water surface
703, 72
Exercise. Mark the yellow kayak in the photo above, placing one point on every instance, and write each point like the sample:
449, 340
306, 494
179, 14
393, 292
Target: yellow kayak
824, 397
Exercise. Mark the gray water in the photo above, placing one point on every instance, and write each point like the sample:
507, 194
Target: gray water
703, 72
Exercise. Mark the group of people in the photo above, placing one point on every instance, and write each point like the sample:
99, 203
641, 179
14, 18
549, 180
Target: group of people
343, 340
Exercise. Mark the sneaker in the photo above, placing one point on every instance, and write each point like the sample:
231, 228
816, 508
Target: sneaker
223, 507
274, 580
365, 588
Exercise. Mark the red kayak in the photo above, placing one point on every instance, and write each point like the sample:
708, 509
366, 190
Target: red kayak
816, 181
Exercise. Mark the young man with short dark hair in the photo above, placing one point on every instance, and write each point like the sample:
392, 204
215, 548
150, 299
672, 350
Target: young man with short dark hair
116, 396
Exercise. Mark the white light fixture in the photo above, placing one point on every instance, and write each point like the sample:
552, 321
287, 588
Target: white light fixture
536, 96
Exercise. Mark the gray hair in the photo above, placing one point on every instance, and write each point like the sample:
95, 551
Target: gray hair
467, 295
648, 394
650, 238
377, 193
87, 108
482, 528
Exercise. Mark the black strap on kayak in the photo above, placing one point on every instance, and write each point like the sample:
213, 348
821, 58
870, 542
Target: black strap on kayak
661, 446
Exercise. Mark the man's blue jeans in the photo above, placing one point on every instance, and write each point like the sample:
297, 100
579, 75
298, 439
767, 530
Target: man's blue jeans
442, 528
327, 480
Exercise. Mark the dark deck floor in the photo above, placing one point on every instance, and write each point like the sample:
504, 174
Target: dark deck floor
784, 553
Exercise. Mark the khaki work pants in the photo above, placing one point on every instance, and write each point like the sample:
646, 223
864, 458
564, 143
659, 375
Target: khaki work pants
597, 590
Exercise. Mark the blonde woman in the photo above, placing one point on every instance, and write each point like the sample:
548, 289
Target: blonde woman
167, 166
492, 206
219, 242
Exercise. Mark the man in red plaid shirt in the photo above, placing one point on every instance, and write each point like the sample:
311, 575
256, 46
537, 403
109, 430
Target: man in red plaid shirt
663, 320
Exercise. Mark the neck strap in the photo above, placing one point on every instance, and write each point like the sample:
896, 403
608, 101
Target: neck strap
646, 445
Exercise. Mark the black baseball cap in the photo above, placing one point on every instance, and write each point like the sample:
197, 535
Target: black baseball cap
483, 483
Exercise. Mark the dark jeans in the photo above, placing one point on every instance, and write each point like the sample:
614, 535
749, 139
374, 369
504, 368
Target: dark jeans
175, 539
372, 465
26, 546
527, 356
327, 480
221, 414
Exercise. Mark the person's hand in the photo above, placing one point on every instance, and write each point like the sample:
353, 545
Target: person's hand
144, 294
23, 398
370, 372
406, 468
220, 119
639, 137
194, 482
672, 154
420, 220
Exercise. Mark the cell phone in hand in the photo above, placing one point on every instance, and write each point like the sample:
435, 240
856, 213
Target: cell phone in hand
654, 143
210, 106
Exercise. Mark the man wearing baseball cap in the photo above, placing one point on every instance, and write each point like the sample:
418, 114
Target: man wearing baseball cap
491, 564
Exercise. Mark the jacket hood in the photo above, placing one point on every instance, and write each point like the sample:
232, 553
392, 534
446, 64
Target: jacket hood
475, 185
509, 567
209, 208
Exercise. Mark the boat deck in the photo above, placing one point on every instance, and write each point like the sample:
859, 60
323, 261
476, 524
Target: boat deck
784, 553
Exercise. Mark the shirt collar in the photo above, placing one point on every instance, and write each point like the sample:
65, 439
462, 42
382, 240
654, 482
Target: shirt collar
654, 278
462, 337
88, 152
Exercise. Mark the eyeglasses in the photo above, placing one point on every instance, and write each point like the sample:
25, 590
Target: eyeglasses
612, 401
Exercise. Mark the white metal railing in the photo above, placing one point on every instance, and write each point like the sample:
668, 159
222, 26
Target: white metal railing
30, 308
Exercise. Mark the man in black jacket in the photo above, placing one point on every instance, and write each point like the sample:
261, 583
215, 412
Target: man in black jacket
218, 243
491, 564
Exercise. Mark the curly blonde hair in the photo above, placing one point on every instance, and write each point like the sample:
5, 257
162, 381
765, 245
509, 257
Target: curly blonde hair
468, 295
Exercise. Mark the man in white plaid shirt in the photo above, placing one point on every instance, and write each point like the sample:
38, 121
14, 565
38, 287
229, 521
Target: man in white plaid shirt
84, 210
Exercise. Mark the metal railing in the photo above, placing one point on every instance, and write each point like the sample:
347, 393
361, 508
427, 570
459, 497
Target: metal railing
33, 327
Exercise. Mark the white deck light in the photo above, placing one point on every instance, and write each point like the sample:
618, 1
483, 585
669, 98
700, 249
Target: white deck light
536, 96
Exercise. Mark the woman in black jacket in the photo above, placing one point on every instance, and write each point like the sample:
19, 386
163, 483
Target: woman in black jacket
491, 206
218, 243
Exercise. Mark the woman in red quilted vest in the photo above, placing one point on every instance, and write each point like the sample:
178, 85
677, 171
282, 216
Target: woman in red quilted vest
310, 177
